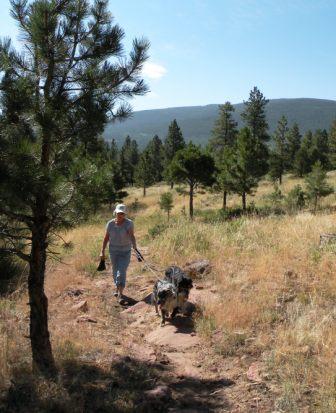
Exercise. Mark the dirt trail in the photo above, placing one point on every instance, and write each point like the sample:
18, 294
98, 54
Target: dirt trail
189, 375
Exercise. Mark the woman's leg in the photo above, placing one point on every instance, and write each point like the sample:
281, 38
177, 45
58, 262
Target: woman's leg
122, 265
114, 266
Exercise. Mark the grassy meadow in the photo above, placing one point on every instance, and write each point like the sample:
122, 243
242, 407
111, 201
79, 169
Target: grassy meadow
275, 287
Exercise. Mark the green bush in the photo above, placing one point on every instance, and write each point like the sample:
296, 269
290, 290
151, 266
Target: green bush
295, 199
157, 230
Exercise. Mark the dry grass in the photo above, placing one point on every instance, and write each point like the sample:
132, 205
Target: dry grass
276, 289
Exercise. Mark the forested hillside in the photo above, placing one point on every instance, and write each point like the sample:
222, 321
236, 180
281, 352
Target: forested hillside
197, 121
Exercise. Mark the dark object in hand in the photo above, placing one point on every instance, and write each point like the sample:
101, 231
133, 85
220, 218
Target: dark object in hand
101, 266
139, 255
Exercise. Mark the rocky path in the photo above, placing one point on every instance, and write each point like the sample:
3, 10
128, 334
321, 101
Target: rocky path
170, 368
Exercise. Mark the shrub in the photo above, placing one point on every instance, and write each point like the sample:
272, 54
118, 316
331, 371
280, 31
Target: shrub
295, 199
275, 198
157, 230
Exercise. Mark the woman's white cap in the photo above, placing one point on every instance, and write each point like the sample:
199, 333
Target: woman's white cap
120, 208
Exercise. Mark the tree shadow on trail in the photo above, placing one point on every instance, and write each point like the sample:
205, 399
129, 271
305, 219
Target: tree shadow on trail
119, 387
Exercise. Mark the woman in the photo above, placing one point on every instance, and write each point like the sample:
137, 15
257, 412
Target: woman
120, 235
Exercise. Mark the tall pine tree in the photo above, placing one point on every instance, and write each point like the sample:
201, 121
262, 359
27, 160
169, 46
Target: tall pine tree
302, 163
279, 155
332, 145
71, 74
244, 171
114, 151
144, 174
156, 151
173, 143
221, 146
294, 142
129, 158
320, 150
254, 117
225, 131
193, 167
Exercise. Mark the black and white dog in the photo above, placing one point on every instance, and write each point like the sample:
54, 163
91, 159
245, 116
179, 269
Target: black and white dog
171, 293
164, 297
182, 282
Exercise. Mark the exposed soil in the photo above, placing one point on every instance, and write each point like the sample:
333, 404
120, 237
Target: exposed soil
128, 362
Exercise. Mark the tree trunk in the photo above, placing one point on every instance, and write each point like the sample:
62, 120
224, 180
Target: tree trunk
144, 191
43, 360
280, 179
171, 185
168, 214
191, 201
244, 200
224, 199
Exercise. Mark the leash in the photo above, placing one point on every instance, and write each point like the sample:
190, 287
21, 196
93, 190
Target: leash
152, 268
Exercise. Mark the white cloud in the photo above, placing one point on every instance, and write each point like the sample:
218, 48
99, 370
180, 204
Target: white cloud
153, 70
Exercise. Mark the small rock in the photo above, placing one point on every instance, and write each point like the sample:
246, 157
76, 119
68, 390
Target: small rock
197, 268
305, 350
74, 292
199, 287
86, 318
290, 274
135, 308
253, 373
81, 306
159, 393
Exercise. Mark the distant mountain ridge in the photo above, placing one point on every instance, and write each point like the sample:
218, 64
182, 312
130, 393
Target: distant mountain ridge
197, 122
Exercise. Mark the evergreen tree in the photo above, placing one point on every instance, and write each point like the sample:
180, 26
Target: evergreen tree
316, 184
114, 151
294, 142
134, 154
223, 173
221, 146
144, 174
279, 154
332, 145
70, 75
192, 166
225, 131
244, 175
302, 163
254, 117
155, 148
319, 149
129, 158
166, 202
173, 143
295, 199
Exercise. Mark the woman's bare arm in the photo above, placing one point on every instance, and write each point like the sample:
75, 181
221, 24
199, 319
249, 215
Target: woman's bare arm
132, 236
105, 241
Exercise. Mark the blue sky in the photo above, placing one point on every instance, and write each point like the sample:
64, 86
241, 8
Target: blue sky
210, 51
